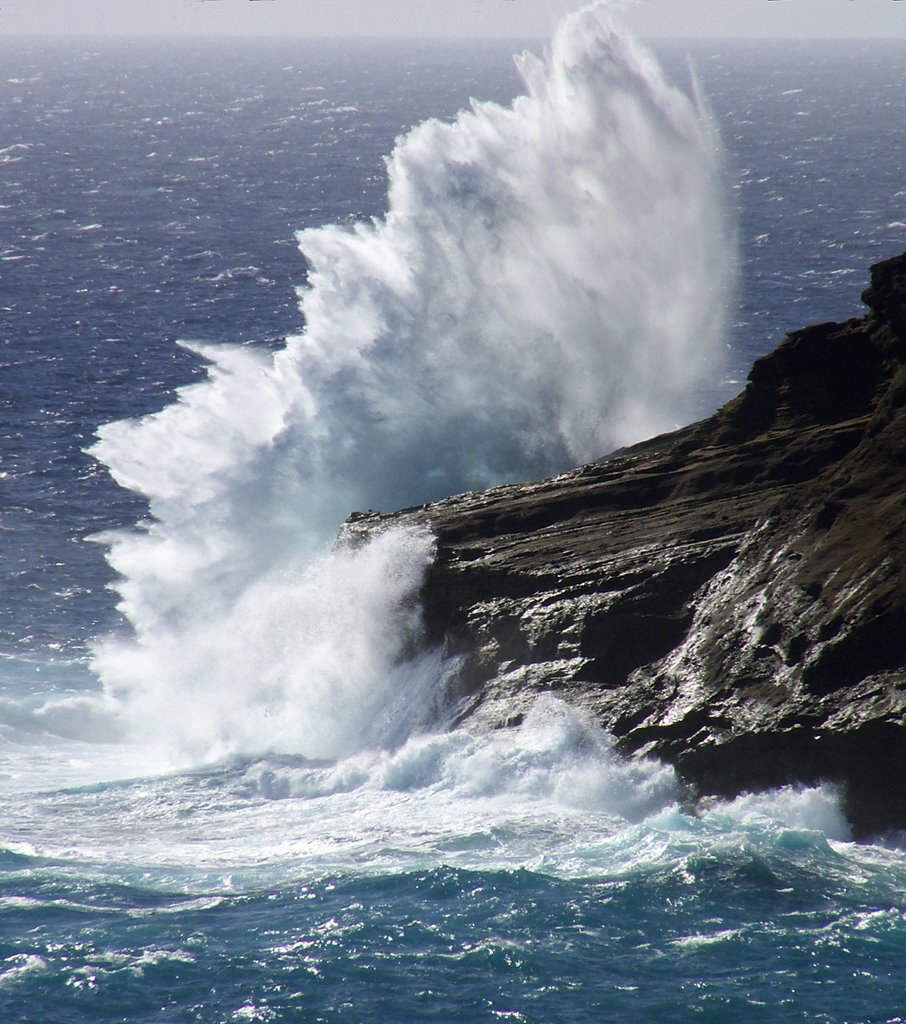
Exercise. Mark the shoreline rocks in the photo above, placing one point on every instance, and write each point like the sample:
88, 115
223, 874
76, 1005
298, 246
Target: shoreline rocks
730, 597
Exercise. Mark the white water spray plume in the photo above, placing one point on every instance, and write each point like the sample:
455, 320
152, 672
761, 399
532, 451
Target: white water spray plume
550, 281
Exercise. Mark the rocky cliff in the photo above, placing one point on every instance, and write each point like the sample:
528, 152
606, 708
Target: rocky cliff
730, 597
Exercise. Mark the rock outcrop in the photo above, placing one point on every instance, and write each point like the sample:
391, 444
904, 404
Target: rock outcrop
731, 597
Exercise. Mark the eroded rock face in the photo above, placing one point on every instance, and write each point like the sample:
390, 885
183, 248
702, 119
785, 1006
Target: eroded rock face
730, 597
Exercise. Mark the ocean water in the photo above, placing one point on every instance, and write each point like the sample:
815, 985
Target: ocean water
235, 796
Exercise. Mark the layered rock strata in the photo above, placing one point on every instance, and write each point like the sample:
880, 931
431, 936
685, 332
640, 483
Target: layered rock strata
731, 597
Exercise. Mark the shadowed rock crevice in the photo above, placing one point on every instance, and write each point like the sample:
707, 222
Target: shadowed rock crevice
730, 597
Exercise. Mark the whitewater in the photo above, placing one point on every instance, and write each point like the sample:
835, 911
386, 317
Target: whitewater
521, 307
247, 802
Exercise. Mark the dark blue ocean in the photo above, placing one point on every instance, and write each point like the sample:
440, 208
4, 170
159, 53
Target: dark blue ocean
227, 791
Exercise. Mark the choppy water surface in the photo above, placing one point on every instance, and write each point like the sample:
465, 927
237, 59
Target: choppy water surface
533, 878
259, 814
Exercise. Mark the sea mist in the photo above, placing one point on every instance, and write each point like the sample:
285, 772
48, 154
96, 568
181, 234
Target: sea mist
549, 282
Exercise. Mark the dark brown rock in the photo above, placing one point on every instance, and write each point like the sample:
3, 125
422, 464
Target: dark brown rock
730, 597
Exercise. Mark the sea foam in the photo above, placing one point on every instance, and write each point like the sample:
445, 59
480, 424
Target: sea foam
550, 281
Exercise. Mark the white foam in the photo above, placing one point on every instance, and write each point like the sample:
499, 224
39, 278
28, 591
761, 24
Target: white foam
801, 808
558, 756
549, 282
551, 795
310, 660
547, 794
18, 967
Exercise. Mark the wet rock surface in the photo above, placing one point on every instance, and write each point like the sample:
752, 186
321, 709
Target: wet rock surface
730, 597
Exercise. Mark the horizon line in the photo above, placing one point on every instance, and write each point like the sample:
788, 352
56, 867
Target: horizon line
335, 37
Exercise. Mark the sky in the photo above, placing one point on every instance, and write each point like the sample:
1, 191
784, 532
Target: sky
512, 18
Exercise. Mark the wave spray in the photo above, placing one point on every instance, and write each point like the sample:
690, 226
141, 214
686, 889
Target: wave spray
549, 282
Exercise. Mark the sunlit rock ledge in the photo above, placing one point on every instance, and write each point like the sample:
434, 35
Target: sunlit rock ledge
730, 597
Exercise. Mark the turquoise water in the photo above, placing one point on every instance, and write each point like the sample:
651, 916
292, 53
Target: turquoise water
676, 919
531, 877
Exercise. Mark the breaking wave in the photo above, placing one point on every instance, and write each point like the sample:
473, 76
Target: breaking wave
549, 282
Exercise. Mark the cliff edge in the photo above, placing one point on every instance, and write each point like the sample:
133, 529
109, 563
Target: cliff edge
731, 597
